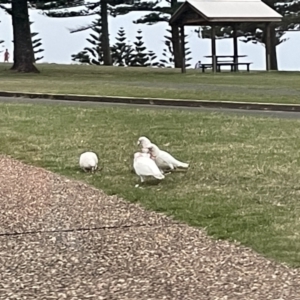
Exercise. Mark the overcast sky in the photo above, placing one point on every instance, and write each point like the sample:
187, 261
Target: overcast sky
59, 44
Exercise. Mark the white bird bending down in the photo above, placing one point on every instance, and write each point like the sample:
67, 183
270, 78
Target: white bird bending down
144, 166
144, 142
164, 159
88, 161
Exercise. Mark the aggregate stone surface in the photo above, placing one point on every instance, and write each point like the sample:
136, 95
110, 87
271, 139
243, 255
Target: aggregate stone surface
62, 239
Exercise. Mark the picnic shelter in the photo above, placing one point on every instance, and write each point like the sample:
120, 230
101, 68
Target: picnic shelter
224, 13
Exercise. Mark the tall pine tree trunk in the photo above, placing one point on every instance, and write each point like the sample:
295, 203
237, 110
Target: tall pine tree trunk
176, 41
23, 50
274, 41
105, 34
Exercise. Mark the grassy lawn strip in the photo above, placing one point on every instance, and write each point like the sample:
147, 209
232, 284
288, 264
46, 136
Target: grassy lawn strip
243, 183
272, 87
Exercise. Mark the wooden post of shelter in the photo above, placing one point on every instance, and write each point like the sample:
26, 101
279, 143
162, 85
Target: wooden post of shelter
235, 47
213, 48
183, 69
268, 46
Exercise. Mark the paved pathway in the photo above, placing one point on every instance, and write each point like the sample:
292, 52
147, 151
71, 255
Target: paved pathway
259, 113
62, 239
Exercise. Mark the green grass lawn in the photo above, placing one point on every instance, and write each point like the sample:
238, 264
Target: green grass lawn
155, 83
244, 178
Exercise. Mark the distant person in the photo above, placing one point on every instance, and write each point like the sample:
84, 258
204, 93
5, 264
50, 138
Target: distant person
198, 65
6, 56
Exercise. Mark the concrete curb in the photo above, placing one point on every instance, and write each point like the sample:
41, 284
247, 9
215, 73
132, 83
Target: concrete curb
158, 101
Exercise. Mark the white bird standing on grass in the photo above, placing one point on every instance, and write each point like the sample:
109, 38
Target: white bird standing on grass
144, 166
88, 161
164, 159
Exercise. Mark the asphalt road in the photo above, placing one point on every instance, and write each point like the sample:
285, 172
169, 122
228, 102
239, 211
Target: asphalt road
258, 113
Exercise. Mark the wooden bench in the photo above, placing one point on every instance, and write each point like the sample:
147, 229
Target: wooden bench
233, 65
205, 66
226, 63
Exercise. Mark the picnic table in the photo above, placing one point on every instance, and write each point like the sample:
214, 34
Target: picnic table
222, 60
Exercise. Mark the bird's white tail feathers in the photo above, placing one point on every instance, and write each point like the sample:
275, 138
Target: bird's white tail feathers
182, 165
159, 176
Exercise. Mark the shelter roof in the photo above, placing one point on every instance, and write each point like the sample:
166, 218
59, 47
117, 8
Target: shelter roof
200, 12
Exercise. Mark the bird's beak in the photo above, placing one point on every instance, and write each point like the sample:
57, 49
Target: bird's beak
138, 143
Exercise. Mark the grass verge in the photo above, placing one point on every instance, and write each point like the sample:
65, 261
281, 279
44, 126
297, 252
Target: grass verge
243, 183
268, 87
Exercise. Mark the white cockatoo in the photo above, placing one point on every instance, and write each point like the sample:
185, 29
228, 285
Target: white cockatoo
88, 161
164, 159
144, 166
144, 142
